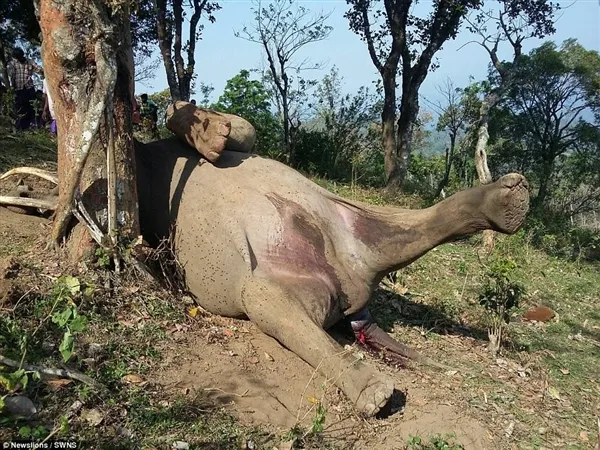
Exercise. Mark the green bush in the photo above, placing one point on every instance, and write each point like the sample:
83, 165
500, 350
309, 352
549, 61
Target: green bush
553, 233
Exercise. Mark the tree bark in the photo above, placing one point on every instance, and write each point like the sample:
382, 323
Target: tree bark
481, 165
90, 73
4, 66
388, 135
449, 160
409, 110
544, 188
165, 41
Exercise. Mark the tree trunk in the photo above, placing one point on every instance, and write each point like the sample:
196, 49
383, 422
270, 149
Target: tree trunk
388, 131
89, 70
164, 42
409, 110
287, 142
481, 165
4, 66
544, 188
449, 158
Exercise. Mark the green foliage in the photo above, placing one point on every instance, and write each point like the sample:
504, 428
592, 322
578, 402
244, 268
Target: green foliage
18, 23
68, 319
319, 419
500, 292
161, 99
436, 442
544, 128
250, 100
28, 432
103, 258
342, 141
552, 232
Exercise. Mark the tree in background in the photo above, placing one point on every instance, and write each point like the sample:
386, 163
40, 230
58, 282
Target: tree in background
515, 22
334, 143
453, 120
161, 99
551, 113
170, 20
250, 99
399, 41
283, 29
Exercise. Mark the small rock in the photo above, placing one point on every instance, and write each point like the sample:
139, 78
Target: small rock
268, 357
76, 406
132, 379
20, 405
509, 429
180, 445
124, 432
93, 416
94, 350
253, 360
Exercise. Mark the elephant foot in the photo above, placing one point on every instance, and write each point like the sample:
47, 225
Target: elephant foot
506, 202
375, 395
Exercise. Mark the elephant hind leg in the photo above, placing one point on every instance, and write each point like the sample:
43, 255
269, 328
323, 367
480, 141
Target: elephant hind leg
279, 314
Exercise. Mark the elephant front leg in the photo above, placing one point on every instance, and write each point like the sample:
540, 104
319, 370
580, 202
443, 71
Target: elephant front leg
281, 315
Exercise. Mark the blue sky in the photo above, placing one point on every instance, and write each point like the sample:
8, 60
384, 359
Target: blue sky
220, 55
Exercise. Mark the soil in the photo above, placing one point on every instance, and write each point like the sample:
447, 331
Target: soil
264, 383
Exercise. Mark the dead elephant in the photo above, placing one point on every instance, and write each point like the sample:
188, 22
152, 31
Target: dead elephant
260, 241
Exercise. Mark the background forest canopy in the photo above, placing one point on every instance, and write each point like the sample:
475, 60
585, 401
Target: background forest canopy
538, 109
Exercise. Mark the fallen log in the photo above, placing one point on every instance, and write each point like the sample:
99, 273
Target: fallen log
208, 131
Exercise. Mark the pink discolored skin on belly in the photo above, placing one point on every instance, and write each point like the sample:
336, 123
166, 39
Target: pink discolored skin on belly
298, 257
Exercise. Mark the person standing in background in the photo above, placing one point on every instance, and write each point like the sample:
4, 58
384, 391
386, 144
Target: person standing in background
48, 109
20, 71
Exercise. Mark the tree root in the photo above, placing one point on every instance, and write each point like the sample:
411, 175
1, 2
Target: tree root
31, 202
46, 175
54, 372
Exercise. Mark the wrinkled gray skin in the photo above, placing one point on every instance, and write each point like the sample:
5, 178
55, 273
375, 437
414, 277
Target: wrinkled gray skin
260, 241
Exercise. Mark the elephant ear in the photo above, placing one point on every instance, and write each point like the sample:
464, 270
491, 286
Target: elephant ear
210, 132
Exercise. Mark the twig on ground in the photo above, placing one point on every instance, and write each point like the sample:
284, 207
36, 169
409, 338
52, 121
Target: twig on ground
55, 372
243, 394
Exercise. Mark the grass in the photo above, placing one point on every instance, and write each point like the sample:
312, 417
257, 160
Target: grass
543, 390
560, 401
34, 148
